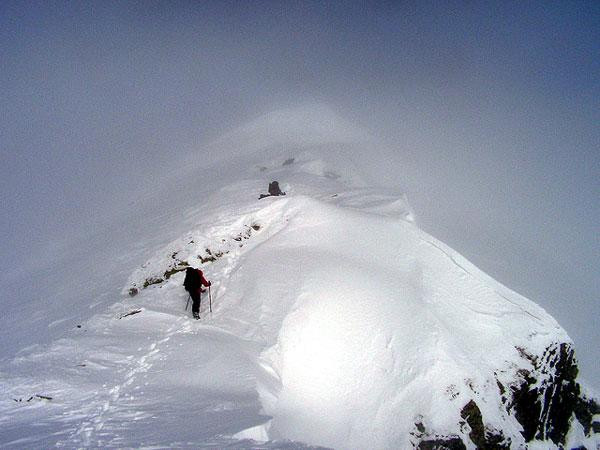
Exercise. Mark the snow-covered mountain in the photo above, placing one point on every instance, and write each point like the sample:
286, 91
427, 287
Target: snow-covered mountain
336, 322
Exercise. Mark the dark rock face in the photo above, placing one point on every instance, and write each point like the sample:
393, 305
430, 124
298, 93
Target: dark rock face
480, 436
432, 441
547, 396
585, 409
443, 443
543, 398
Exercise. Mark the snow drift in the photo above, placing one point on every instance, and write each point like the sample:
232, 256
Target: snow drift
335, 322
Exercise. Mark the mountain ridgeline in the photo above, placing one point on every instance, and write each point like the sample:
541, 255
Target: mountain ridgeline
336, 322
433, 354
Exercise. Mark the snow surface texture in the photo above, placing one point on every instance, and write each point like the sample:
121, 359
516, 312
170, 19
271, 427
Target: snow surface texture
335, 322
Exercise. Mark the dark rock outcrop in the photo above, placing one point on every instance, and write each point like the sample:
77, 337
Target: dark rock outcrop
585, 409
274, 190
442, 443
544, 398
547, 396
480, 436
425, 440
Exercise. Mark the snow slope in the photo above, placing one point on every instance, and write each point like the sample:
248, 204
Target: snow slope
335, 322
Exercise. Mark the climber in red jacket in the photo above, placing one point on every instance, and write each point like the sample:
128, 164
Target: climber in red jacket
194, 280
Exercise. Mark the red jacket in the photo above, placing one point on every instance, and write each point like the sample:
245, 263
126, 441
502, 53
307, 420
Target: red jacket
203, 281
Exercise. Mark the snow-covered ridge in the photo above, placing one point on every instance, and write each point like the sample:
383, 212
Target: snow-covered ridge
371, 307
336, 322
375, 316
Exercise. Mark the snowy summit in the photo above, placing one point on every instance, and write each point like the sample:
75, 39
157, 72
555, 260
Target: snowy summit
336, 322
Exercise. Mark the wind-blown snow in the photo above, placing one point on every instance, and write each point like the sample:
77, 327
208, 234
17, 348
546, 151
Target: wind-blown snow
336, 322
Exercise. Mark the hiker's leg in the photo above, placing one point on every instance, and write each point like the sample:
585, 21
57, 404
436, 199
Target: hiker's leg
196, 302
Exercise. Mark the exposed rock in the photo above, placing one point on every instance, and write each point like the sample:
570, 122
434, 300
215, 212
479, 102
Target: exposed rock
443, 443
585, 409
206, 259
429, 441
178, 264
472, 415
480, 436
151, 281
546, 398
172, 271
33, 397
274, 190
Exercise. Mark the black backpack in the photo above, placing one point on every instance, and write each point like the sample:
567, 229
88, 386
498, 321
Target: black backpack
192, 279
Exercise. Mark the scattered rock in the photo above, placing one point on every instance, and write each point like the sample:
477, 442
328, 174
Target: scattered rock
179, 265
152, 280
183, 265
452, 392
33, 397
212, 257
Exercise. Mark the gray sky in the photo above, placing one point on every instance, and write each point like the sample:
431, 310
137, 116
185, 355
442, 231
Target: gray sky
491, 110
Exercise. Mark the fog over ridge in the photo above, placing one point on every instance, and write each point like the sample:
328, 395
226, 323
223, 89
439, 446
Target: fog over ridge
484, 114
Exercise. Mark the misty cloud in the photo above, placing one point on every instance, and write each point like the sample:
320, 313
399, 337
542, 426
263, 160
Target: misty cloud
486, 115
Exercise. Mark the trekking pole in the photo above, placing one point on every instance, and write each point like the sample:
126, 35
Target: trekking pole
188, 301
210, 299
